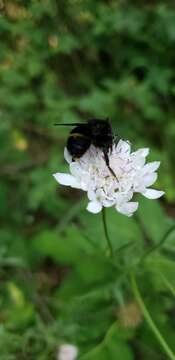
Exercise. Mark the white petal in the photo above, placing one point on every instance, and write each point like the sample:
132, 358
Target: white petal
123, 197
94, 207
138, 161
91, 195
151, 167
67, 156
100, 194
123, 146
152, 194
108, 203
149, 179
138, 158
67, 352
139, 186
141, 152
67, 179
128, 208
75, 169
84, 185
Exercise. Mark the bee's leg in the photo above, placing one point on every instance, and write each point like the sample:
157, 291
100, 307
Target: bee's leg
116, 139
107, 163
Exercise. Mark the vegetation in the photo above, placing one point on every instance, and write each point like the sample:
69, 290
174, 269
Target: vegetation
69, 60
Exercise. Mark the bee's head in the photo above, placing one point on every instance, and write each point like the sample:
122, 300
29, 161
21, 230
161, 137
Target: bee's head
99, 127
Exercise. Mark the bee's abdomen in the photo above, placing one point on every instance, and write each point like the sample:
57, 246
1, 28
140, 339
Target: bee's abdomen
78, 144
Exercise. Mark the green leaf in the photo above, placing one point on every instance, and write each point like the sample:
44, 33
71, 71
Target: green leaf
112, 348
153, 219
95, 269
161, 265
66, 248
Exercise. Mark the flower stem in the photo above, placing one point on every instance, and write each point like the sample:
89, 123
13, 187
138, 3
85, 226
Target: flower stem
106, 232
149, 320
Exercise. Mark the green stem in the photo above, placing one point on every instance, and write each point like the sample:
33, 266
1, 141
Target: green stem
149, 320
106, 232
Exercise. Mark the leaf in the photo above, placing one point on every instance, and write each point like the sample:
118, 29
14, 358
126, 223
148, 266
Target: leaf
112, 348
161, 265
65, 248
153, 219
95, 269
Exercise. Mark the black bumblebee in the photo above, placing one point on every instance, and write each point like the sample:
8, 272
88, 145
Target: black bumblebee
95, 131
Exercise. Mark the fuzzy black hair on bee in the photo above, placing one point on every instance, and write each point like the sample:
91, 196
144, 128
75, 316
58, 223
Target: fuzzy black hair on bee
97, 132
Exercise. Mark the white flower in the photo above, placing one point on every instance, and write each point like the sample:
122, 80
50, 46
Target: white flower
91, 174
67, 352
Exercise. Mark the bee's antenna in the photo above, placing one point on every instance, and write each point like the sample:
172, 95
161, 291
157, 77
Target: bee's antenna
73, 124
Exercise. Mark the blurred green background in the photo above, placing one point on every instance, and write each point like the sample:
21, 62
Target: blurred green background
65, 61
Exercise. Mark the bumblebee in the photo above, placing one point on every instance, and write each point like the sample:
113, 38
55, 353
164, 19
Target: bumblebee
97, 132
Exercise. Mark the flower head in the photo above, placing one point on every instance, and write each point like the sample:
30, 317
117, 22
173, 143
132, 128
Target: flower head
130, 315
67, 352
91, 174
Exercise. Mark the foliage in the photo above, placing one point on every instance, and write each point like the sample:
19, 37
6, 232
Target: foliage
67, 61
